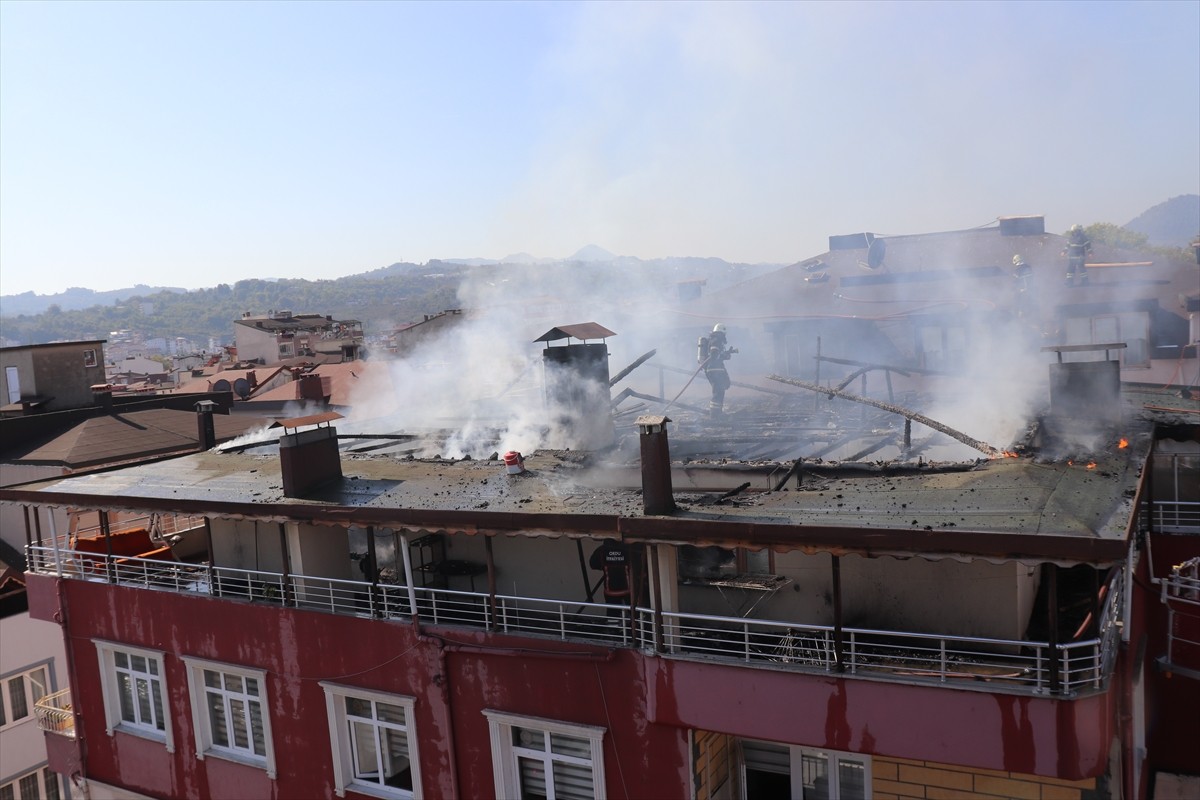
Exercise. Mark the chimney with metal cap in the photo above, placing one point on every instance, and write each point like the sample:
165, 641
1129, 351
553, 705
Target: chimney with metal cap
657, 497
206, 432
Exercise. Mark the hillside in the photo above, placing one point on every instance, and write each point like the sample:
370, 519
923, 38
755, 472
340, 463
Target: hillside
381, 299
74, 299
1175, 223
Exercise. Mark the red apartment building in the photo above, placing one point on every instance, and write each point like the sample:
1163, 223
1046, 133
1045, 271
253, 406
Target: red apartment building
370, 627
360, 624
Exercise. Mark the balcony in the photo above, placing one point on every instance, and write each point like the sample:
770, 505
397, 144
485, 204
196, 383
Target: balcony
54, 714
1020, 666
1173, 516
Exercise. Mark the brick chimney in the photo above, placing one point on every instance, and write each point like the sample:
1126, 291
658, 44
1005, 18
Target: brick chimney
657, 497
309, 459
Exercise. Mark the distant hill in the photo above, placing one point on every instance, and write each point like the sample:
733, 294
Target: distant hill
74, 299
592, 252
1174, 223
380, 298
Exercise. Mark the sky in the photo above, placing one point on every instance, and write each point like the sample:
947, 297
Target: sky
194, 143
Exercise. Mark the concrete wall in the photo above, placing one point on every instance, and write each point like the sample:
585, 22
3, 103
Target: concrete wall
22, 359
254, 344
964, 599
59, 371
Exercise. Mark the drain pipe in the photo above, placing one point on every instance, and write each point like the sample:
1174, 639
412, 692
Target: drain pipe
60, 617
442, 679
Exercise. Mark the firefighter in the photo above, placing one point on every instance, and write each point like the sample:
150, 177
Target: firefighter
713, 352
1077, 249
613, 558
1026, 304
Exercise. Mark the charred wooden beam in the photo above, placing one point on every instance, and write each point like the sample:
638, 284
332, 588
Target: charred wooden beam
982, 447
637, 363
850, 362
763, 389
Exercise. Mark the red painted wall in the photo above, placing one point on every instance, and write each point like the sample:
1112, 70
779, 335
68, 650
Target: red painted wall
560, 681
646, 704
1172, 701
1040, 736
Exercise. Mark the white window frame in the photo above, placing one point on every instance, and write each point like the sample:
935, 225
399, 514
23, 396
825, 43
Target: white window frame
30, 683
796, 756
504, 754
342, 748
200, 719
109, 686
43, 775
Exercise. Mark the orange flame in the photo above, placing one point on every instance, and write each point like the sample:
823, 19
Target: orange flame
1091, 465
1121, 445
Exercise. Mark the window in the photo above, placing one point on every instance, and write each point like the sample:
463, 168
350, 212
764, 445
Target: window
134, 692
770, 769
540, 759
19, 692
231, 713
373, 752
89, 358
37, 785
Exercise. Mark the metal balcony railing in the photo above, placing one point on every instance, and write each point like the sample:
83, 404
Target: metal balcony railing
1030, 666
54, 714
1172, 516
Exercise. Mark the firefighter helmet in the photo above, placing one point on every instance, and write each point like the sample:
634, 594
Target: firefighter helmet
1018, 260
719, 327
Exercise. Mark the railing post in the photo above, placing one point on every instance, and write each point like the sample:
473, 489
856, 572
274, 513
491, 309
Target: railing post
837, 605
1052, 626
408, 578
285, 594
746, 640
491, 568
942, 658
54, 540
106, 531
853, 653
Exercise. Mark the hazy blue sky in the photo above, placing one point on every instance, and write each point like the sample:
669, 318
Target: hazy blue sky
194, 143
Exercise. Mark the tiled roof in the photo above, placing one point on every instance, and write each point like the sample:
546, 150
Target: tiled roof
122, 437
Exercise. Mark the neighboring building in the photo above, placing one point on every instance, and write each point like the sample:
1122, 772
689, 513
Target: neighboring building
929, 302
281, 335
327, 386
813, 629
50, 377
29, 673
404, 339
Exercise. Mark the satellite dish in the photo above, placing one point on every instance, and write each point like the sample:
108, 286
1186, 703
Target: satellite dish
221, 386
241, 387
875, 253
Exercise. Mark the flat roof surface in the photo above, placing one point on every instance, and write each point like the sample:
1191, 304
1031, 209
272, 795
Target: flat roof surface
884, 508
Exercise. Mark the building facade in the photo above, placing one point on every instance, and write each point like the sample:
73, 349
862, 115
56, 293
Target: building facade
50, 377
370, 627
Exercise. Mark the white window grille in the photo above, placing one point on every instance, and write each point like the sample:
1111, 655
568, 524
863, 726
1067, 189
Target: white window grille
230, 712
541, 758
135, 692
19, 692
371, 736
